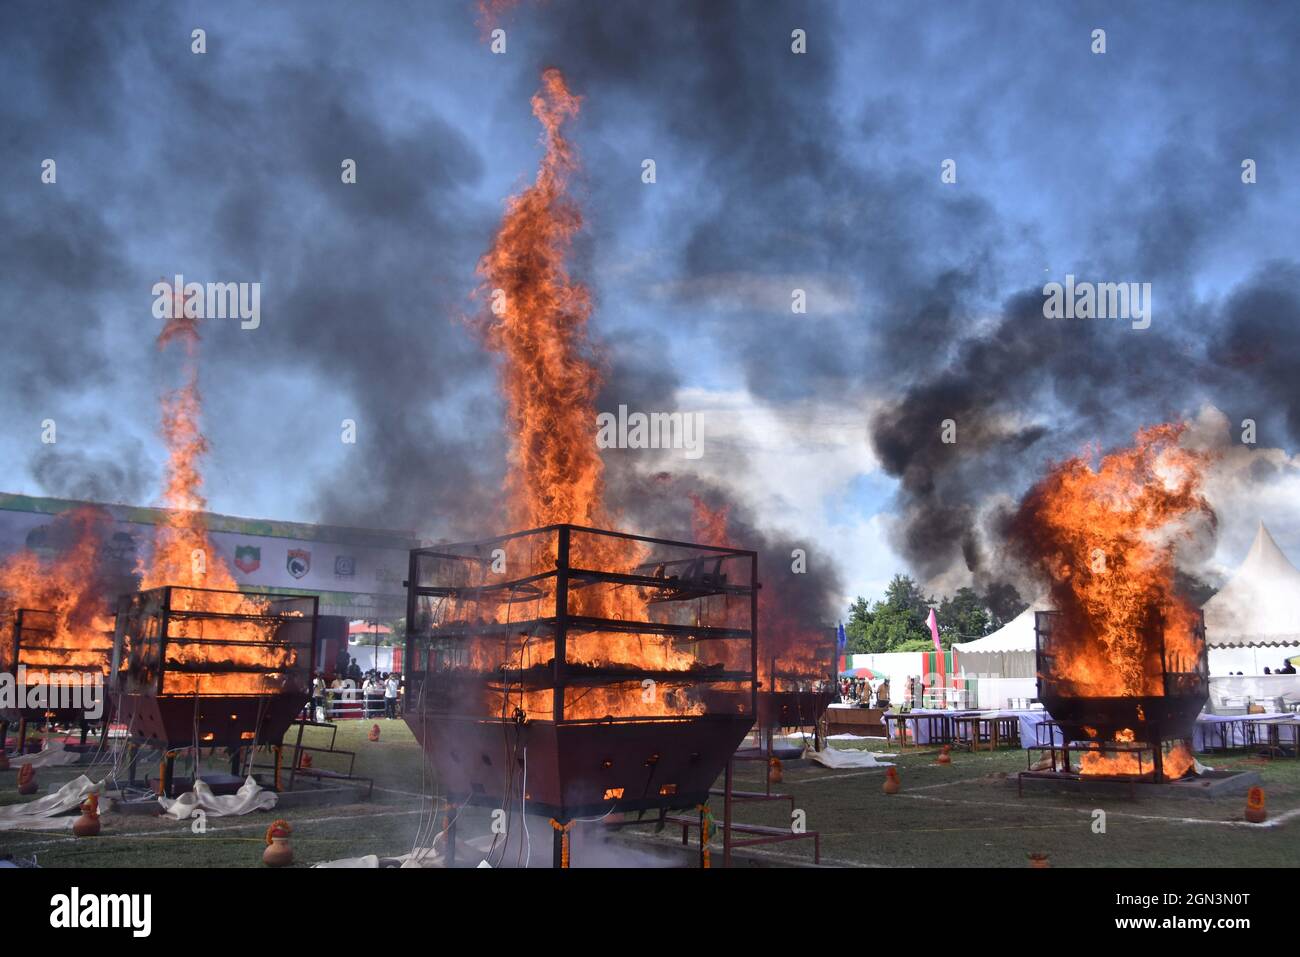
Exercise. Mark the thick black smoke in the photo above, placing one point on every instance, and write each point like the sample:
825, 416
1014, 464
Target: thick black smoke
362, 286
86, 477
794, 173
801, 575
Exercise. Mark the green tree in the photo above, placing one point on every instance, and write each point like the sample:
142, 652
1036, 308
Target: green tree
963, 617
896, 623
855, 630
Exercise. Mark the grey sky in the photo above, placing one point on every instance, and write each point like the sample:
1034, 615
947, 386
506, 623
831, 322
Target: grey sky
774, 170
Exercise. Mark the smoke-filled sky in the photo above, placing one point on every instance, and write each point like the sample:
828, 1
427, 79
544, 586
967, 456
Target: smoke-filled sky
775, 171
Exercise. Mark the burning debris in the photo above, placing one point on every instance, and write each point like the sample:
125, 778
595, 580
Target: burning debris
625, 686
1122, 659
213, 669
55, 625
56, 614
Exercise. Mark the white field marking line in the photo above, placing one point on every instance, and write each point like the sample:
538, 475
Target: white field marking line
211, 828
1271, 822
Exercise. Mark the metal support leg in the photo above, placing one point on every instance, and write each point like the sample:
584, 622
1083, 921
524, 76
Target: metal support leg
166, 771
705, 863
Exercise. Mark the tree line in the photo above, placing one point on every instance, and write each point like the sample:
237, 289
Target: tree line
898, 621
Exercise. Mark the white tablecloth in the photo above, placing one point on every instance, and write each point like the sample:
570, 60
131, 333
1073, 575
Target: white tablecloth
1029, 721
1210, 732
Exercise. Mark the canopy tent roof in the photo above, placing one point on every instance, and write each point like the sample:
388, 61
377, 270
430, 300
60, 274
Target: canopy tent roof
1260, 606
1015, 635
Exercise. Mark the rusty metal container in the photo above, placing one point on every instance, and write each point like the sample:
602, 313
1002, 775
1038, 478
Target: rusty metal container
580, 671
210, 668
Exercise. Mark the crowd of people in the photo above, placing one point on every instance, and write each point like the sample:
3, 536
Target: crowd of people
377, 693
858, 692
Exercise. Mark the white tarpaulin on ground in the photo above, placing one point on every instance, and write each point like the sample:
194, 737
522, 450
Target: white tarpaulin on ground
250, 797
43, 814
51, 757
370, 861
421, 857
847, 758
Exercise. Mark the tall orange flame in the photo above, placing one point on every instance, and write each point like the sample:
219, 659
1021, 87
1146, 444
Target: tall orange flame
1105, 539
538, 323
182, 552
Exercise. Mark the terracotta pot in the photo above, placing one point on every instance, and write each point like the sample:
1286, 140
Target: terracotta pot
279, 853
892, 784
27, 779
374, 732
775, 776
944, 756
1255, 805
87, 825
1039, 860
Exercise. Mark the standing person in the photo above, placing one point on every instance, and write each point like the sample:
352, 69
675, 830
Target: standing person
334, 693
318, 698
370, 692
390, 696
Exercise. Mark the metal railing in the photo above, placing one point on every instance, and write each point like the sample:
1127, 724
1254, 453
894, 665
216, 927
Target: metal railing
344, 703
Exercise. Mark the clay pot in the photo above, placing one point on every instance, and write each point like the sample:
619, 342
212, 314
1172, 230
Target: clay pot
1037, 859
279, 853
374, 732
88, 824
774, 774
945, 757
892, 784
27, 779
1256, 812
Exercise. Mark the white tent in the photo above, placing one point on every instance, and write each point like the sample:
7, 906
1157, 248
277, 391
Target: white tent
1004, 660
1015, 635
1260, 606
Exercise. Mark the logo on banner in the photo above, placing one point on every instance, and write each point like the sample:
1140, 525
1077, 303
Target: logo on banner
298, 563
248, 558
345, 566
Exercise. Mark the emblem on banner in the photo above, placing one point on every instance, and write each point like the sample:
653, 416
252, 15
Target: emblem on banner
298, 563
248, 558
345, 566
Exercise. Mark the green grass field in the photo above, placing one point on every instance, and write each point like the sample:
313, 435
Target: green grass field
965, 814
